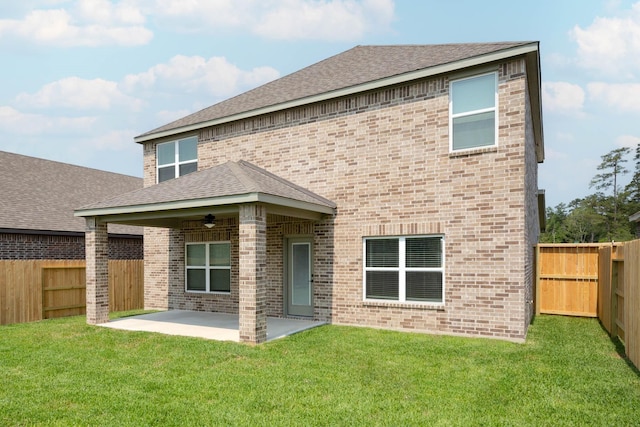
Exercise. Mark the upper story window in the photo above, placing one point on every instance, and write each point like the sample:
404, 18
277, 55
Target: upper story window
177, 158
472, 112
404, 269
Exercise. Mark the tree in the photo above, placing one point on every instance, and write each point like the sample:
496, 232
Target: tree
612, 167
602, 216
584, 223
556, 230
633, 188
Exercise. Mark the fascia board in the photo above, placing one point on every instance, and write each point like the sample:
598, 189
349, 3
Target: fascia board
296, 204
203, 203
168, 206
388, 81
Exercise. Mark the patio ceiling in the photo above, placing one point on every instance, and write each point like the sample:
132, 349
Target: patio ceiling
219, 191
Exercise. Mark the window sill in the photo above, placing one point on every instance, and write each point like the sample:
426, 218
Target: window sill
207, 293
411, 305
474, 151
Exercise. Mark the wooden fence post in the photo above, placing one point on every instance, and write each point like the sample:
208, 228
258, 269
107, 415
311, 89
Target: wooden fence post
614, 297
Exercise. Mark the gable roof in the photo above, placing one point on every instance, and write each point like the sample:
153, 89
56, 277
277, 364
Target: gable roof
360, 68
40, 195
230, 183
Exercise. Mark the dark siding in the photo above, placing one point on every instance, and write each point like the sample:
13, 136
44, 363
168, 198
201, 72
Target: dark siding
42, 246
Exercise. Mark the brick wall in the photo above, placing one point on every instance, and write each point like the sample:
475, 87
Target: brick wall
279, 227
532, 217
42, 246
156, 268
384, 158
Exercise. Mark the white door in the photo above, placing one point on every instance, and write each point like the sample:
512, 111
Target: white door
300, 277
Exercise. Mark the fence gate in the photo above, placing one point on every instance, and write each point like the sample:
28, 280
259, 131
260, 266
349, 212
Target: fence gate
63, 291
567, 279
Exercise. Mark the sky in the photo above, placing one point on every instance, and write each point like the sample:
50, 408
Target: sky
80, 79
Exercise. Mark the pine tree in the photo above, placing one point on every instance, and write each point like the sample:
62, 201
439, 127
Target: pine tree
633, 188
612, 167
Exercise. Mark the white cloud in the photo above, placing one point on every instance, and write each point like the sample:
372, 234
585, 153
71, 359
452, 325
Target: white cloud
115, 140
334, 20
562, 97
621, 97
195, 15
215, 76
90, 23
280, 19
107, 12
82, 94
628, 141
103, 22
611, 45
16, 122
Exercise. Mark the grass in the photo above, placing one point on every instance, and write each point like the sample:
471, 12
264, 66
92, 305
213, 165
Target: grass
64, 372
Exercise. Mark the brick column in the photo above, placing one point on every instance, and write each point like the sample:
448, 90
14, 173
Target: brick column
97, 255
253, 263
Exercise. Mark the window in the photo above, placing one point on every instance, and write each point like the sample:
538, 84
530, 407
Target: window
472, 112
208, 267
177, 158
404, 268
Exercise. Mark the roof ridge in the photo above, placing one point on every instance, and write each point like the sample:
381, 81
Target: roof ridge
240, 174
61, 164
403, 45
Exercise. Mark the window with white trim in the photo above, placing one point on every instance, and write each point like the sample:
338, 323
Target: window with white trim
176, 158
404, 269
472, 112
208, 267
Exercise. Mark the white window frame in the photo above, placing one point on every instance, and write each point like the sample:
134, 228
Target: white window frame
207, 267
402, 270
473, 112
176, 159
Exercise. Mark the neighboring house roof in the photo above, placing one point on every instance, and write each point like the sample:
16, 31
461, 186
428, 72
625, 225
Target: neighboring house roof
40, 195
358, 69
230, 183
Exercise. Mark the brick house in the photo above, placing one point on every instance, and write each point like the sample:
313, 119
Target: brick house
386, 186
36, 217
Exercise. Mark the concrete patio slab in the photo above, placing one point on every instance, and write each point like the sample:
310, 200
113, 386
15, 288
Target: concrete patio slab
213, 326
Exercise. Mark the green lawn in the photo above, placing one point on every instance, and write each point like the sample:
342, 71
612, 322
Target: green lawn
63, 372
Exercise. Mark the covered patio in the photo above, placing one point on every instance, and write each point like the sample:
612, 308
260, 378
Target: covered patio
213, 326
238, 190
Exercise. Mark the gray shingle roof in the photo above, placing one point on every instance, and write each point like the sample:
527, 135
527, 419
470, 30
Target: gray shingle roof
227, 179
39, 194
359, 65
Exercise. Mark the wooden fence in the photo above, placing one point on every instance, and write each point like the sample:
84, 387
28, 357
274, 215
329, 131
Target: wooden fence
592, 280
611, 289
42, 289
632, 301
567, 279
620, 296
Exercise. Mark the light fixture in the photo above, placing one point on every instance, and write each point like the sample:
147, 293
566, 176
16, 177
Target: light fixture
209, 221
